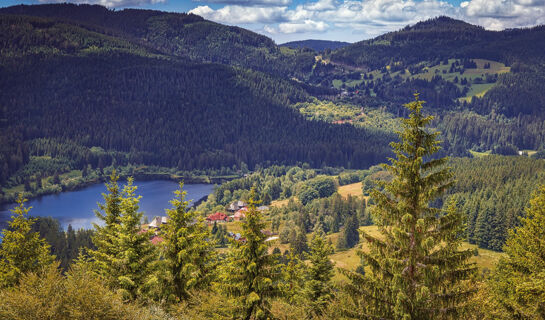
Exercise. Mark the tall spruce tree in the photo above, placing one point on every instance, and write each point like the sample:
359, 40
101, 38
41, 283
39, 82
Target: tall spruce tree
417, 269
105, 233
187, 248
251, 276
519, 280
21, 250
124, 252
318, 287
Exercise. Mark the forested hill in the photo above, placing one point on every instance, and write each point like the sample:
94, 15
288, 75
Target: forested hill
76, 90
316, 45
180, 34
442, 38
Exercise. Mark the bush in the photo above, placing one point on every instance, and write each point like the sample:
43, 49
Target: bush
80, 295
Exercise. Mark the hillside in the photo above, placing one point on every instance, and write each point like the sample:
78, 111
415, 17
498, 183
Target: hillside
484, 87
316, 45
79, 89
180, 34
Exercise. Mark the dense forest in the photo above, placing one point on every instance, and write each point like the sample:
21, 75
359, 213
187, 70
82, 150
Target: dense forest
62, 82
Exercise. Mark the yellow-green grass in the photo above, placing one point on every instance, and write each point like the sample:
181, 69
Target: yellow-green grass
349, 259
353, 189
477, 154
281, 203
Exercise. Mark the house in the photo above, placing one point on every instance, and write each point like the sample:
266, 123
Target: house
240, 214
217, 217
262, 208
237, 205
157, 222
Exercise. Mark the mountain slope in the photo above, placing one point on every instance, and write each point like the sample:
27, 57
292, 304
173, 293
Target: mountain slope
180, 34
71, 86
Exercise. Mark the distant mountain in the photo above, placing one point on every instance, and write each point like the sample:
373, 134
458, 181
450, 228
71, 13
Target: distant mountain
441, 38
179, 34
316, 45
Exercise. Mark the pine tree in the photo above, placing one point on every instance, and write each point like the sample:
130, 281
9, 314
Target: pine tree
104, 236
349, 236
416, 268
292, 277
251, 275
519, 280
21, 250
124, 253
135, 253
318, 287
187, 248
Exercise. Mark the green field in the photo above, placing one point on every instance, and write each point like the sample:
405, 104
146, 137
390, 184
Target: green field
476, 89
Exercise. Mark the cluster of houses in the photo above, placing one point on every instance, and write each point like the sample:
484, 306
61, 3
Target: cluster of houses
238, 211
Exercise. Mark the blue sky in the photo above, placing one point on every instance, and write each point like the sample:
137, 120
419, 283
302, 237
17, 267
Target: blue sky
343, 20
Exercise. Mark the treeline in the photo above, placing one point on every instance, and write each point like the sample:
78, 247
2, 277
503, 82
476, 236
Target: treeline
65, 245
493, 193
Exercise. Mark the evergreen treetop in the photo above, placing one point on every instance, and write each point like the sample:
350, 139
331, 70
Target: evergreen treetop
519, 280
416, 268
21, 250
251, 276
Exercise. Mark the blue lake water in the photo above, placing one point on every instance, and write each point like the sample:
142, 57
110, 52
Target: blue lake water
77, 207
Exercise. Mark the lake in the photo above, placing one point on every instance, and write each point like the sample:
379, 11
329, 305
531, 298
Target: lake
76, 207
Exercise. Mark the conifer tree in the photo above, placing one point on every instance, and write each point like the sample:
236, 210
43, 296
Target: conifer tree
135, 253
187, 248
251, 275
519, 280
124, 252
21, 250
292, 277
417, 269
105, 234
349, 235
318, 287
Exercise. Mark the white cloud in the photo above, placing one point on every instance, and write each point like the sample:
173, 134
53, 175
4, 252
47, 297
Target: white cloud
369, 18
305, 26
110, 3
240, 14
501, 14
251, 3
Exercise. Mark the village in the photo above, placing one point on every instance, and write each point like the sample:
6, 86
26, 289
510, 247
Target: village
236, 212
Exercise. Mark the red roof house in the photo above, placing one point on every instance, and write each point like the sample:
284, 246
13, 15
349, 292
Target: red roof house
218, 216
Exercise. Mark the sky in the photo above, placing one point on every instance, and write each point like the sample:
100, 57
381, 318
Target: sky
340, 20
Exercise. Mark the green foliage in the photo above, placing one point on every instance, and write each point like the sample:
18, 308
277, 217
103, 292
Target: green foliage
416, 268
251, 275
186, 249
349, 236
124, 253
65, 245
318, 287
81, 294
519, 280
21, 250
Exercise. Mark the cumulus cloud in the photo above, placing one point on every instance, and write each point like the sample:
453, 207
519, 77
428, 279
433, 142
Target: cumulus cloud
369, 18
501, 14
109, 3
240, 14
251, 3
